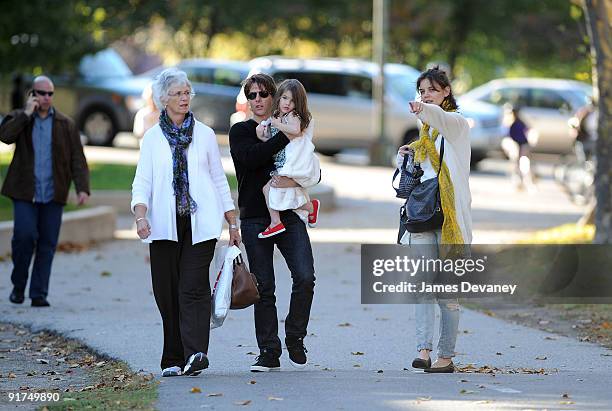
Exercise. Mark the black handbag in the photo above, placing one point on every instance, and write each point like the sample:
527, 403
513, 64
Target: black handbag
410, 176
423, 209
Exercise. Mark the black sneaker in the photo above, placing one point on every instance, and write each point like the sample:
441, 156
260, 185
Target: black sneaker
17, 296
196, 363
297, 352
266, 361
40, 302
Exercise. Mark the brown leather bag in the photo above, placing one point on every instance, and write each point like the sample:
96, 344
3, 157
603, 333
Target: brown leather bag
244, 286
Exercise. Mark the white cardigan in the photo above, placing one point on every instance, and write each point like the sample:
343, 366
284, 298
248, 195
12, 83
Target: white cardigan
208, 185
457, 152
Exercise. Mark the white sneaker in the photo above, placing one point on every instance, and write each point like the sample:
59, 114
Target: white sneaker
172, 372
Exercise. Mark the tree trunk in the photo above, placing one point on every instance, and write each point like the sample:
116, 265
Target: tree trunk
598, 15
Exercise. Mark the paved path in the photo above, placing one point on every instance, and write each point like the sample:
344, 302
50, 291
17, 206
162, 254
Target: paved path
116, 315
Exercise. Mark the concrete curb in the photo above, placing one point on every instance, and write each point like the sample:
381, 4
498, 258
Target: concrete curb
81, 226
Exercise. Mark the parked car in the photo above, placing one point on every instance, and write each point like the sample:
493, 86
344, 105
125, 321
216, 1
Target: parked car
216, 83
102, 97
546, 106
340, 99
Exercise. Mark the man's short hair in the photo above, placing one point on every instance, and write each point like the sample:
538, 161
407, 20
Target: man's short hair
262, 80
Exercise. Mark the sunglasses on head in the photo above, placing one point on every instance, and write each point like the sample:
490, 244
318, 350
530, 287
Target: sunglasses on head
253, 95
43, 93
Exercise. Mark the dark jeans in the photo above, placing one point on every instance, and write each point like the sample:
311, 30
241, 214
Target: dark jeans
36, 225
179, 273
294, 245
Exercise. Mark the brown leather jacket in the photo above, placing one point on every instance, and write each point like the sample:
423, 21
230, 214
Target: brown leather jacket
68, 159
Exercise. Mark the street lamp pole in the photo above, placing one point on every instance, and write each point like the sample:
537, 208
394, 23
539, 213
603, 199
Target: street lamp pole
381, 149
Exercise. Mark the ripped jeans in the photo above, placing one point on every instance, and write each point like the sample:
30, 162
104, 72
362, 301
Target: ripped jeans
424, 312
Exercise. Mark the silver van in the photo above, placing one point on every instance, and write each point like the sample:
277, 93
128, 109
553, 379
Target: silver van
340, 99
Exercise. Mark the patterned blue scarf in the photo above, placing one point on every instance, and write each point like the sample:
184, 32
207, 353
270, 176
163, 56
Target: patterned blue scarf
179, 139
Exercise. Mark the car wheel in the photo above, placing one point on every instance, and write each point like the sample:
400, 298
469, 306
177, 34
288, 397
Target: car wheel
476, 158
328, 152
99, 127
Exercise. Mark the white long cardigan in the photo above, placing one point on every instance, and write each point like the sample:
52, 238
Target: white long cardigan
456, 131
208, 185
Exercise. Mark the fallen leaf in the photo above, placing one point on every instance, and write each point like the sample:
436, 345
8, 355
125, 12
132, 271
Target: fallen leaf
105, 274
356, 365
215, 394
195, 390
356, 353
566, 395
252, 382
466, 392
550, 338
344, 325
542, 357
246, 402
274, 398
498, 353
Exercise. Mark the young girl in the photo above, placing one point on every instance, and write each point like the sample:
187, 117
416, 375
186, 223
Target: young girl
518, 133
297, 160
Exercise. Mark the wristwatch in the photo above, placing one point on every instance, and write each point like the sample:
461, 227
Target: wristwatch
233, 227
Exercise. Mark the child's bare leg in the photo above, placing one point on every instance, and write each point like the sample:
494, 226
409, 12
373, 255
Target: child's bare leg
308, 207
274, 214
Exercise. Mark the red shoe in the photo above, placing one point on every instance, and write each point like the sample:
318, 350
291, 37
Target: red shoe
271, 231
314, 216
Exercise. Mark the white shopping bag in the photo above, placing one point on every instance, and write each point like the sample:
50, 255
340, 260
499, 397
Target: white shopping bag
222, 291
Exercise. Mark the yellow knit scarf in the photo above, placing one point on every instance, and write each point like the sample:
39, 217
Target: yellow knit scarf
425, 147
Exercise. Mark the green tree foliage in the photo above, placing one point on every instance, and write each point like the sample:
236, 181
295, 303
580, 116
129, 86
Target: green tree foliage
479, 39
39, 35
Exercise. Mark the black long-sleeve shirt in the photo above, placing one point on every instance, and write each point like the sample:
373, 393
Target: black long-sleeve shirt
253, 161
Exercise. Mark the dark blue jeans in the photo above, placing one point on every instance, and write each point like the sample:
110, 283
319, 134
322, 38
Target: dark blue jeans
36, 226
294, 245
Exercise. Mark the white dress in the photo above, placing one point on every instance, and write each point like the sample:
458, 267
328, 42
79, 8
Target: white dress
299, 163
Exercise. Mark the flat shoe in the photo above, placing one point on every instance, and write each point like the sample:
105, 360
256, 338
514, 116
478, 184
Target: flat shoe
447, 369
421, 363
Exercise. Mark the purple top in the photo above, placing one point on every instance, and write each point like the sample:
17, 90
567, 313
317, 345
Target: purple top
518, 132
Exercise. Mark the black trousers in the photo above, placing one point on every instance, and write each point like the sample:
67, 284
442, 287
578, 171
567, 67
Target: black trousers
179, 272
294, 245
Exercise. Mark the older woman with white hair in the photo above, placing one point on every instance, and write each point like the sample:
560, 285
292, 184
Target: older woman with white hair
179, 197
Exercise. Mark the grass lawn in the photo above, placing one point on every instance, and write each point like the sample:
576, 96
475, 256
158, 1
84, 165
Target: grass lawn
588, 322
102, 177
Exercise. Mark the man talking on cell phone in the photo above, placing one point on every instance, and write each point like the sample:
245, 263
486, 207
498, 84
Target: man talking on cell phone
48, 156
